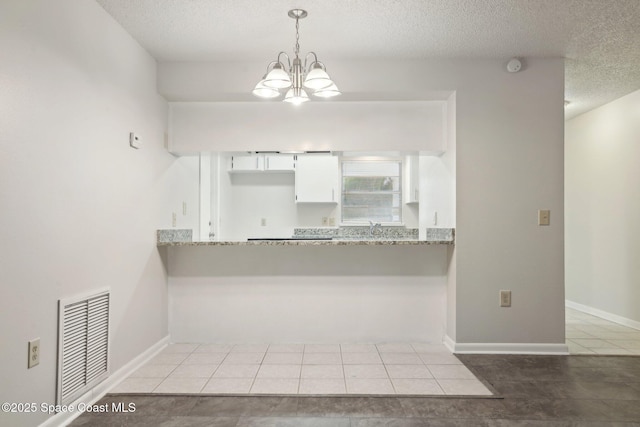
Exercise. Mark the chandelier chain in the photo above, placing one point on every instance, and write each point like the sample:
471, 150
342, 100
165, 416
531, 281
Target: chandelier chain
297, 36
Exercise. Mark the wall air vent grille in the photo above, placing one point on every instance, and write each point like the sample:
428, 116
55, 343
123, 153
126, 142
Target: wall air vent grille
83, 344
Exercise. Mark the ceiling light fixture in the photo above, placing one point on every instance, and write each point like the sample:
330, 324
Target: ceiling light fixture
296, 78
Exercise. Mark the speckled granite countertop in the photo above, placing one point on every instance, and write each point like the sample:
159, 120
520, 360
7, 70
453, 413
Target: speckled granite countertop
308, 242
318, 237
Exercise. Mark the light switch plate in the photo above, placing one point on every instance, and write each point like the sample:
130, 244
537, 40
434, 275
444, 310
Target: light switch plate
505, 298
544, 216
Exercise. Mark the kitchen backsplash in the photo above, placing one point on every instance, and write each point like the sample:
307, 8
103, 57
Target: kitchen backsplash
440, 234
358, 232
175, 235
363, 232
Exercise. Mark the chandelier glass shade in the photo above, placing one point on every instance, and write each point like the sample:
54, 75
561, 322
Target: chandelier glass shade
263, 91
295, 78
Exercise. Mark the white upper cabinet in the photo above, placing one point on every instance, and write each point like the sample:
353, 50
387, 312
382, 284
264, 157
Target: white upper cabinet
279, 162
246, 163
262, 163
412, 179
316, 178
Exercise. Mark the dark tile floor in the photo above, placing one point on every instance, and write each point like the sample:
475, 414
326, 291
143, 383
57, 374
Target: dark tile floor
530, 391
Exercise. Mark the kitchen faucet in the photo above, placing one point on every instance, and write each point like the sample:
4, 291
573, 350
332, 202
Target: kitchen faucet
373, 227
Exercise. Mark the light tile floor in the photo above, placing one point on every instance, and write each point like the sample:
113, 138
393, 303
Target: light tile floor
298, 369
587, 334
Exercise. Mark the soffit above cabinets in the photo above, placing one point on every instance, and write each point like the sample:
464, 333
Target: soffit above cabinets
350, 126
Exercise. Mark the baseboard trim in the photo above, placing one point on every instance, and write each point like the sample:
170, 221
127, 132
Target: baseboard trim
96, 393
505, 348
449, 343
603, 314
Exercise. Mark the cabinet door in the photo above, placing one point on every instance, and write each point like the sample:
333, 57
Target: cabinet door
412, 180
246, 163
316, 179
279, 162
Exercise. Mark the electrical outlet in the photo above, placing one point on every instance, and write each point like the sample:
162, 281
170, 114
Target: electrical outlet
174, 219
184, 208
505, 298
332, 222
134, 140
34, 353
263, 222
325, 221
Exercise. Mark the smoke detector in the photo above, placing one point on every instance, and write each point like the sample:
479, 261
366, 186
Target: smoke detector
514, 65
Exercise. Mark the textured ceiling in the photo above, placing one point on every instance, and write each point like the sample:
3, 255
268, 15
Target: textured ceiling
600, 39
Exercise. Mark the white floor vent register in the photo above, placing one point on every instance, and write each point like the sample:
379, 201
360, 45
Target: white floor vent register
83, 344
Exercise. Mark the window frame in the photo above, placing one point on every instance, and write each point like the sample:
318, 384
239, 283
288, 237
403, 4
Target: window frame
399, 192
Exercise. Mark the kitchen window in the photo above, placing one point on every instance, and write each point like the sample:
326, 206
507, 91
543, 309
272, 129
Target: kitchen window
371, 191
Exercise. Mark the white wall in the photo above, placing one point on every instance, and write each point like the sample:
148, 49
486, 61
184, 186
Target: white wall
449, 162
79, 206
307, 294
508, 164
602, 197
247, 198
260, 126
310, 214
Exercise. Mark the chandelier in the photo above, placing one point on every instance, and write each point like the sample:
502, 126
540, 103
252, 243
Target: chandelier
298, 78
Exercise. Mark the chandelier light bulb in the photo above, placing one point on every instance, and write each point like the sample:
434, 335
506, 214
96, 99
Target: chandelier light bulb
296, 96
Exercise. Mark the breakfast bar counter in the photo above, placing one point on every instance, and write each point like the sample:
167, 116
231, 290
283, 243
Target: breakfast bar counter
434, 236
308, 242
